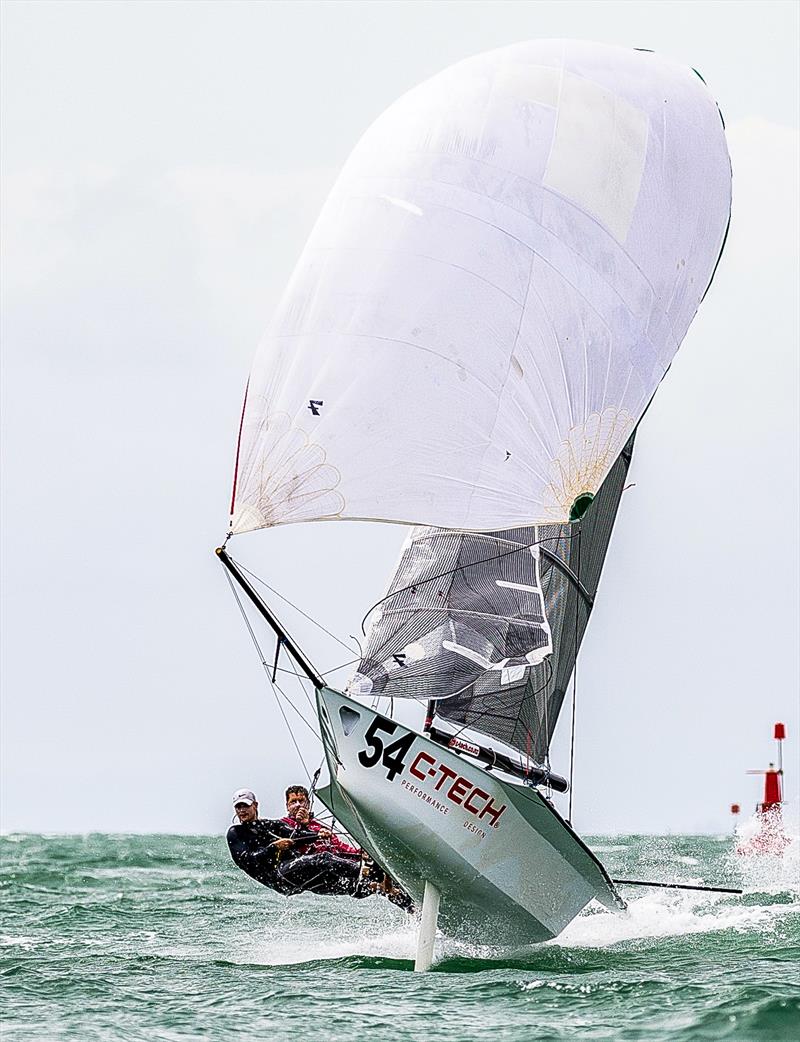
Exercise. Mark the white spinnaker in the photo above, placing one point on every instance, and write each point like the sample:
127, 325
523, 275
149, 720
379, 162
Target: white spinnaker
496, 285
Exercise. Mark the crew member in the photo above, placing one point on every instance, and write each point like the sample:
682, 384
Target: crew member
270, 851
373, 878
300, 818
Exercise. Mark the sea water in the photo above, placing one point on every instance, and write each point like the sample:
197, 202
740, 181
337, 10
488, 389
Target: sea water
161, 938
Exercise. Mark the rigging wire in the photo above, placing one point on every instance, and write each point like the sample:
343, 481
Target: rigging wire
574, 693
325, 673
275, 686
297, 711
282, 669
277, 689
293, 671
333, 669
303, 687
547, 765
286, 600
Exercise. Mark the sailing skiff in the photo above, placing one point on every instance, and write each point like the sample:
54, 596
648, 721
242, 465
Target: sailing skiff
495, 287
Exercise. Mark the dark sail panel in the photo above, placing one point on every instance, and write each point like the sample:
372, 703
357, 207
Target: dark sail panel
489, 625
460, 604
572, 558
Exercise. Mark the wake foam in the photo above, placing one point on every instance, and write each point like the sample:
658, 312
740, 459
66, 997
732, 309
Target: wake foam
300, 935
768, 873
664, 914
322, 930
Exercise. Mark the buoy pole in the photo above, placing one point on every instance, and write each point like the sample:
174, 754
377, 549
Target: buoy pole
426, 938
780, 734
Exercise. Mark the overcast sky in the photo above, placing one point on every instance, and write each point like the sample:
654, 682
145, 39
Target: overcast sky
162, 165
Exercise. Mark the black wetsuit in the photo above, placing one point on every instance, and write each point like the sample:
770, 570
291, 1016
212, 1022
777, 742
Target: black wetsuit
323, 873
252, 849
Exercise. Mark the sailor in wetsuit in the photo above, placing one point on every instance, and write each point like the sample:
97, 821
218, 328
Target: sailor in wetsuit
320, 862
279, 855
317, 853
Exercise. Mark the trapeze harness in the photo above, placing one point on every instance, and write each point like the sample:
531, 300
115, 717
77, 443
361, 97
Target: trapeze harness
253, 849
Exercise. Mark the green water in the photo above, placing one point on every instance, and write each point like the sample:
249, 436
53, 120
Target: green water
161, 938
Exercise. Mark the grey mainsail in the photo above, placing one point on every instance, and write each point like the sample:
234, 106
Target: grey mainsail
489, 625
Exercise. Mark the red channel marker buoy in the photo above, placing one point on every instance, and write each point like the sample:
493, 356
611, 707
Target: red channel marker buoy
770, 838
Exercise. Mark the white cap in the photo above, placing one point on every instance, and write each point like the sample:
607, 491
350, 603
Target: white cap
244, 796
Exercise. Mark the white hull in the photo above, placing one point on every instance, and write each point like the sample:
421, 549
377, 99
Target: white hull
508, 868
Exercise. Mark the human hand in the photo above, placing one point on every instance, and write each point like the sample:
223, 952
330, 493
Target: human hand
298, 810
283, 844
